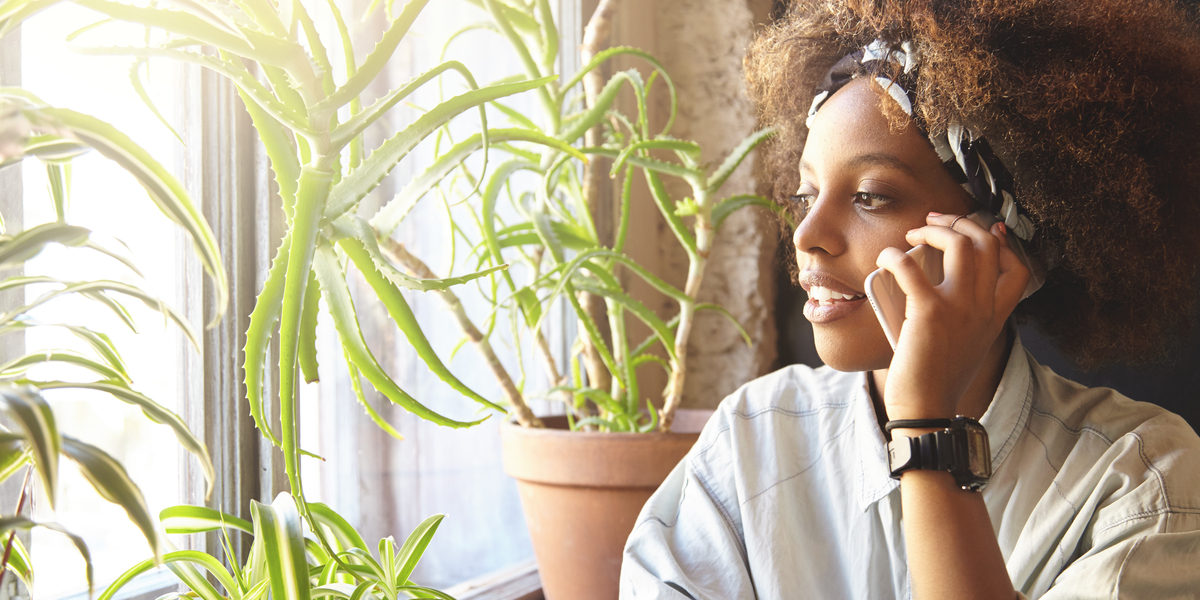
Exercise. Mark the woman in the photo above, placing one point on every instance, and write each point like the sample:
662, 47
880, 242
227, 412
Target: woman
1076, 128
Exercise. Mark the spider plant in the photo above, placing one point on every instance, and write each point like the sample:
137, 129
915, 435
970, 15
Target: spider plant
31, 128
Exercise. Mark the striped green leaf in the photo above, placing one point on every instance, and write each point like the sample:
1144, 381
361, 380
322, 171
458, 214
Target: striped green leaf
342, 531
21, 523
410, 553
110, 480
162, 187
279, 526
199, 519
32, 415
17, 249
183, 564
17, 367
153, 410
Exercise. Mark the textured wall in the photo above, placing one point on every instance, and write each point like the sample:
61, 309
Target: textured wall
701, 42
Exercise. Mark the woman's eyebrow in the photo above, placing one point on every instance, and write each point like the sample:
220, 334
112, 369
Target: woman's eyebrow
883, 160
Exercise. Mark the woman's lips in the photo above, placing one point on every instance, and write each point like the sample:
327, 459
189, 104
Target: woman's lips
825, 305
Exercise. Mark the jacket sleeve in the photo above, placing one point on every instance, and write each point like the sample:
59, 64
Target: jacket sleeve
1156, 556
688, 540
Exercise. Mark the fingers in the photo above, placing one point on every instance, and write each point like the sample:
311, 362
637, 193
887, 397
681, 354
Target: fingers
972, 253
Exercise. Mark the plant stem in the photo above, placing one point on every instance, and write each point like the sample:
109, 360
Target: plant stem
687, 309
397, 253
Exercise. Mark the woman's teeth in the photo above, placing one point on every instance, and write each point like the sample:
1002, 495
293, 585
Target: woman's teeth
827, 296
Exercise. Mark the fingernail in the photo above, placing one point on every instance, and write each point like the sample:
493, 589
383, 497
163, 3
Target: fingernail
911, 230
935, 214
1003, 228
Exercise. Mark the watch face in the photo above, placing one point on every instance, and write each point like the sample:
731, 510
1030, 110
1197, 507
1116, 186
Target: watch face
980, 455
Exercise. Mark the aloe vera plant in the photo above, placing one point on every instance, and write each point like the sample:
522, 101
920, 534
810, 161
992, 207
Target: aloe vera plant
554, 234
31, 128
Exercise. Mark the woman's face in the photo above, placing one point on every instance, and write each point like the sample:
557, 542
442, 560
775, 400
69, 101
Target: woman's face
865, 187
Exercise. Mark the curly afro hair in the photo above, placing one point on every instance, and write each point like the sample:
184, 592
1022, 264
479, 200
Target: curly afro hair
1095, 107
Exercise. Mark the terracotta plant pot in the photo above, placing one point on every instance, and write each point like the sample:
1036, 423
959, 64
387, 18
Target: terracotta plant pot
582, 493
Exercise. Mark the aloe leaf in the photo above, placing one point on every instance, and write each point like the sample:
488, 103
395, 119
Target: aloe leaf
316, 47
689, 150
199, 519
278, 144
209, 15
249, 88
391, 214
16, 250
545, 17
604, 100
162, 187
263, 318
280, 527
110, 480
255, 45
410, 553
606, 55
353, 127
647, 316
663, 199
341, 308
531, 66
341, 529
10, 523
13, 12
153, 410
313, 189
519, 19
353, 226
356, 387
367, 176
18, 366
26, 407
728, 206
736, 157
308, 331
488, 217
402, 315
516, 117
375, 61
728, 315
135, 79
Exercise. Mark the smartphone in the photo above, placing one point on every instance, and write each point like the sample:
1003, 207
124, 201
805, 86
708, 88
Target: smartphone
888, 300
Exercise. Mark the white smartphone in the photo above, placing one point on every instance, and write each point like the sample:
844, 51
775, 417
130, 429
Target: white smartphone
885, 294
889, 300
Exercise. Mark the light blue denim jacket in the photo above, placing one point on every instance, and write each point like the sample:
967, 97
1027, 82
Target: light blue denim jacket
787, 495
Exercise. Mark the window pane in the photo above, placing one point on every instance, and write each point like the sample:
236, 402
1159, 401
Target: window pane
106, 199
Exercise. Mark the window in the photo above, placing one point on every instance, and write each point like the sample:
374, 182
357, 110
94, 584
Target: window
382, 486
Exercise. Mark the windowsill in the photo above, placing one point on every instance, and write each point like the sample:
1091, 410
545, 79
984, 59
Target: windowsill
519, 582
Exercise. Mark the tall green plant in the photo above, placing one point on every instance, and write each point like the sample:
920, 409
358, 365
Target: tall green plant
551, 228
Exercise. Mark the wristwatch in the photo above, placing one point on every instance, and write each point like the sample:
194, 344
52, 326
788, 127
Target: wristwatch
961, 448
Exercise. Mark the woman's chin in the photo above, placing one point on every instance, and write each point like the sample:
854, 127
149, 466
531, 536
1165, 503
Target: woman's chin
849, 348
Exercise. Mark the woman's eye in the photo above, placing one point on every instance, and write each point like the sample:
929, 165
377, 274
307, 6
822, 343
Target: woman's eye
802, 203
869, 200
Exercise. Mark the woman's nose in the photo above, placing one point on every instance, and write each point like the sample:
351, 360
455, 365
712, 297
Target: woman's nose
821, 229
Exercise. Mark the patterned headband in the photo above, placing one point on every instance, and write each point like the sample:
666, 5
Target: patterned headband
965, 154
